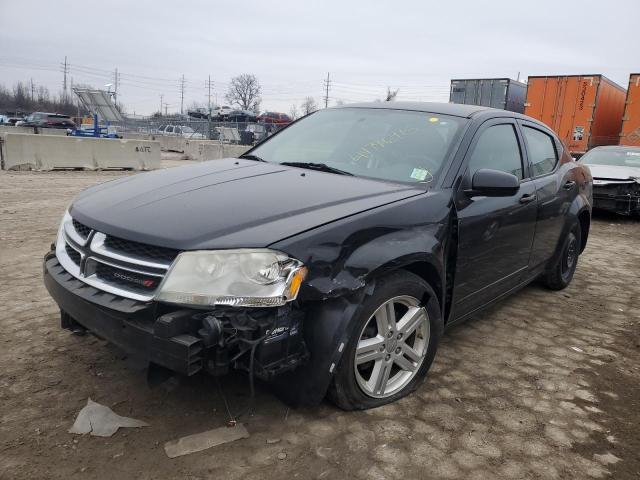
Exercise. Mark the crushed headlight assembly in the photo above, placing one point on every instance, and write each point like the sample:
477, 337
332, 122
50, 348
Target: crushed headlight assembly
235, 278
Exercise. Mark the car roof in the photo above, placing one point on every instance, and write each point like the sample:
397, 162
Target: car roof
455, 109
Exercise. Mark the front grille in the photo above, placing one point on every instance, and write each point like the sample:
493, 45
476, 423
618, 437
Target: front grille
81, 229
128, 247
125, 268
74, 255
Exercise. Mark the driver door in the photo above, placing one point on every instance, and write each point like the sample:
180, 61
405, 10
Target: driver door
495, 233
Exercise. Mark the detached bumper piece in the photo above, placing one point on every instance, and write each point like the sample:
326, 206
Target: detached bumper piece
619, 196
264, 342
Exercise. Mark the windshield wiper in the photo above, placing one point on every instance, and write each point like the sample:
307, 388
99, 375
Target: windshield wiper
250, 156
322, 167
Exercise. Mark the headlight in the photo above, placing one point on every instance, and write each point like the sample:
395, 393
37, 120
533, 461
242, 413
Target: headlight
237, 278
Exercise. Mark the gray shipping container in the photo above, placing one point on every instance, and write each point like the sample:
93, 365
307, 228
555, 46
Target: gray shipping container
502, 93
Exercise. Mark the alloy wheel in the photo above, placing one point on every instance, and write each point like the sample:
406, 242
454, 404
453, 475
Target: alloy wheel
391, 347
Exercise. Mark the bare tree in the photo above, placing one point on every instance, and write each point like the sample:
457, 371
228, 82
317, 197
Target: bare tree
391, 94
308, 106
244, 91
293, 112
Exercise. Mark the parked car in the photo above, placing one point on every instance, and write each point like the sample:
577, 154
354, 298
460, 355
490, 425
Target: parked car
221, 112
4, 119
48, 120
616, 178
241, 116
199, 113
275, 117
329, 258
181, 131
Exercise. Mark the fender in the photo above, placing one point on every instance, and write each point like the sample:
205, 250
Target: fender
344, 260
579, 205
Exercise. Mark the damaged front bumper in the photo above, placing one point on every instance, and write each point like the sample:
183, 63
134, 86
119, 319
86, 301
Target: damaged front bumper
619, 196
264, 341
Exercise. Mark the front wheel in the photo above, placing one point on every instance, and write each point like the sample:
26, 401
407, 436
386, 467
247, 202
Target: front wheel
561, 273
395, 341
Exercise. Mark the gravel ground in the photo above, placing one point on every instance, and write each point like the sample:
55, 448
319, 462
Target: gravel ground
543, 385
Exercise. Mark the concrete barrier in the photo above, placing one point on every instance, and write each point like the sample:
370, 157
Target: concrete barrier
48, 152
52, 131
213, 150
137, 136
38, 130
11, 129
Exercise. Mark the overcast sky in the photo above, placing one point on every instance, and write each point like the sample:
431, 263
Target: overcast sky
416, 46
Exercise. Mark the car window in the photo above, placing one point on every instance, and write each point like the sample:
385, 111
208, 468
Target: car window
619, 157
497, 149
388, 144
541, 150
169, 129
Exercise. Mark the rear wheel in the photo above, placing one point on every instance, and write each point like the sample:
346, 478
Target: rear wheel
394, 345
561, 274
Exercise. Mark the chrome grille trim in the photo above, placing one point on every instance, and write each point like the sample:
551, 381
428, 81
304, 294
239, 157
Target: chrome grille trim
93, 251
71, 233
98, 246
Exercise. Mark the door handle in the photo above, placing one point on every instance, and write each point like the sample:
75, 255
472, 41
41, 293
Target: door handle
568, 185
527, 197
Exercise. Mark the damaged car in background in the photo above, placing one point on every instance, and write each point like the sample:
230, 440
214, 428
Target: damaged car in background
616, 178
328, 259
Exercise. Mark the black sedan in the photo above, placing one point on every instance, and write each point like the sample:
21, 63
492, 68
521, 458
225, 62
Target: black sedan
329, 258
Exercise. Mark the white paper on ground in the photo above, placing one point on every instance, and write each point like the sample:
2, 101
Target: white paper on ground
101, 421
201, 441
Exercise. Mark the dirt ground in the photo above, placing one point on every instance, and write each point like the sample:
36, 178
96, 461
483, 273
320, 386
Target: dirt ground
543, 385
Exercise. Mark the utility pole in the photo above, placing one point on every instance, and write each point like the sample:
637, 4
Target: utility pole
209, 84
327, 84
32, 90
166, 105
65, 70
182, 95
161, 97
116, 80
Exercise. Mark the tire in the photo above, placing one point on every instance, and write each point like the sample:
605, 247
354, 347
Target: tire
561, 273
404, 359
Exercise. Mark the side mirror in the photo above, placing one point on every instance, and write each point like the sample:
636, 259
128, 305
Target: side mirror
494, 183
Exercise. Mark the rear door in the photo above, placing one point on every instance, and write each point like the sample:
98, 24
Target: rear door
495, 234
556, 189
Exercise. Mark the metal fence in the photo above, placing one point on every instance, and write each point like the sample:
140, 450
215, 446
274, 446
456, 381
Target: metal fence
241, 133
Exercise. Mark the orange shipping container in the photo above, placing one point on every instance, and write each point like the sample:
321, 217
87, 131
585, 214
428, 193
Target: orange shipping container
630, 134
584, 110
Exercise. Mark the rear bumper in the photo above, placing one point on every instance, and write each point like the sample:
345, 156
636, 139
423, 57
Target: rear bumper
133, 326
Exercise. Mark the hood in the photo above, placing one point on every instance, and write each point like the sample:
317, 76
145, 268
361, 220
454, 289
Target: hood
228, 203
614, 172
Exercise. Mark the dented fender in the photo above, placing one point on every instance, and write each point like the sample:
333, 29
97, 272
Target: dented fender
344, 259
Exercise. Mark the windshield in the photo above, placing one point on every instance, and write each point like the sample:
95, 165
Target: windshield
188, 130
387, 144
618, 158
